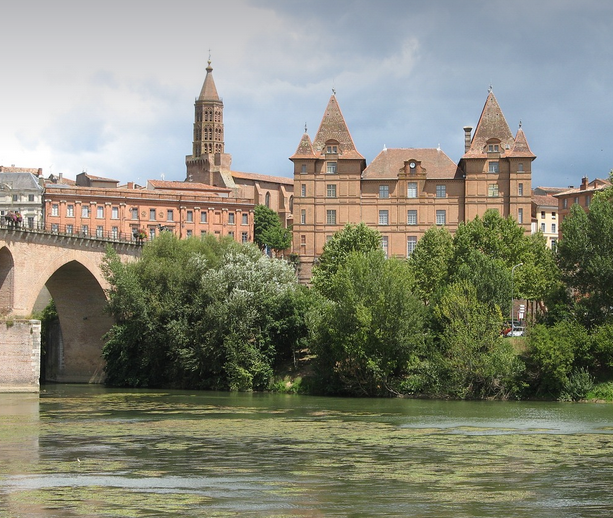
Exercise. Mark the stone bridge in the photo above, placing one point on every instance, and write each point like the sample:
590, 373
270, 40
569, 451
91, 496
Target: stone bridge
35, 267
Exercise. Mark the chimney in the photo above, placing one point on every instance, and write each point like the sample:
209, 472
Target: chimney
584, 183
130, 185
467, 132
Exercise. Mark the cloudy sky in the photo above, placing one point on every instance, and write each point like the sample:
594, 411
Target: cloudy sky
109, 87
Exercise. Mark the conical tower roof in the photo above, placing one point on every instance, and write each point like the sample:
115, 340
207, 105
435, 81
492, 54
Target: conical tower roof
209, 91
492, 124
305, 148
334, 127
520, 147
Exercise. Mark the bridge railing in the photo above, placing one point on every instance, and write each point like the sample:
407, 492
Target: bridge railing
74, 232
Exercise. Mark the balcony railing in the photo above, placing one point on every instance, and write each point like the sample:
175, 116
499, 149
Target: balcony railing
110, 236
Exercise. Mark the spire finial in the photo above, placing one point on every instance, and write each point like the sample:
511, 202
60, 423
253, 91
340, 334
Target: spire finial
305, 127
209, 61
333, 91
519, 123
489, 90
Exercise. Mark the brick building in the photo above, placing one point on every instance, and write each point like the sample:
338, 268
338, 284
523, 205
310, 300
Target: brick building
404, 192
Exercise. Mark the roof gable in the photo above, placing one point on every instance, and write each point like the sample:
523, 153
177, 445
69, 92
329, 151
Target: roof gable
333, 127
491, 125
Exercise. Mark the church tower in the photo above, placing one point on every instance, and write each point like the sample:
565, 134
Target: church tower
208, 163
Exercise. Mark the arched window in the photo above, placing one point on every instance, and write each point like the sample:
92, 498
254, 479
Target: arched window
267, 200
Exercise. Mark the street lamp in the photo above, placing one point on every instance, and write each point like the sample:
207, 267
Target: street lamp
512, 312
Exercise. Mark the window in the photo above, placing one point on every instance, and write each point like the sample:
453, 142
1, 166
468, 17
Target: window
85, 211
554, 244
231, 218
244, 237
588, 199
85, 230
520, 168
55, 209
542, 214
69, 229
152, 214
189, 233
331, 217
302, 216
384, 244
412, 190
411, 244
441, 217
245, 219
99, 231
115, 213
189, 216
304, 169
170, 215
303, 190
114, 232
543, 228
70, 211
15, 197
384, 191
492, 190
331, 168
331, 190
134, 213
231, 234
565, 203
203, 217
520, 189
302, 240
54, 227
383, 217
30, 197
151, 233
576, 199
267, 200
441, 191
493, 148
412, 217
553, 228
493, 167
553, 215
30, 221
520, 216
332, 149
100, 211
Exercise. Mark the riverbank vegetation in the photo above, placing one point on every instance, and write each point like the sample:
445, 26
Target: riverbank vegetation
214, 314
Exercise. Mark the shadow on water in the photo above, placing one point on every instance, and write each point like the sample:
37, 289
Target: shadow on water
83, 450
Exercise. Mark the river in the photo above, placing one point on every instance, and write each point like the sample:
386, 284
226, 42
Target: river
89, 451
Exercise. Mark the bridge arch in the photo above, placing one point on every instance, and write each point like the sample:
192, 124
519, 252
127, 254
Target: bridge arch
80, 302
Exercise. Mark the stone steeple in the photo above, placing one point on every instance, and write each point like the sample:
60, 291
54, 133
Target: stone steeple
208, 159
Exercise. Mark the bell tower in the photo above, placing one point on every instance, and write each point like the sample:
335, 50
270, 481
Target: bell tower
208, 159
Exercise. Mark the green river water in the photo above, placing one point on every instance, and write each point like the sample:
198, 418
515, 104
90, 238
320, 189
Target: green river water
88, 451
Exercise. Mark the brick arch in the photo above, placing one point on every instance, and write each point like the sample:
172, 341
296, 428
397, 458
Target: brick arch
7, 280
80, 301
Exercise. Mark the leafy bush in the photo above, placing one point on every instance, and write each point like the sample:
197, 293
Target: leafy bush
577, 386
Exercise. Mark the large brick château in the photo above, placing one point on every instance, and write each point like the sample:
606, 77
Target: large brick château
404, 192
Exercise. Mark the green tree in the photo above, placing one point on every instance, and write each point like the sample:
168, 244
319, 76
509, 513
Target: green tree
366, 333
585, 259
429, 262
353, 238
199, 314
268, 231
475, 361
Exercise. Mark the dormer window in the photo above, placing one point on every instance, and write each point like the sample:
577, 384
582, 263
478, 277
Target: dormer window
493, 148
332, 150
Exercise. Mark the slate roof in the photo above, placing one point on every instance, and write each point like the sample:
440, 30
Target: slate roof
20, 181
434, 162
